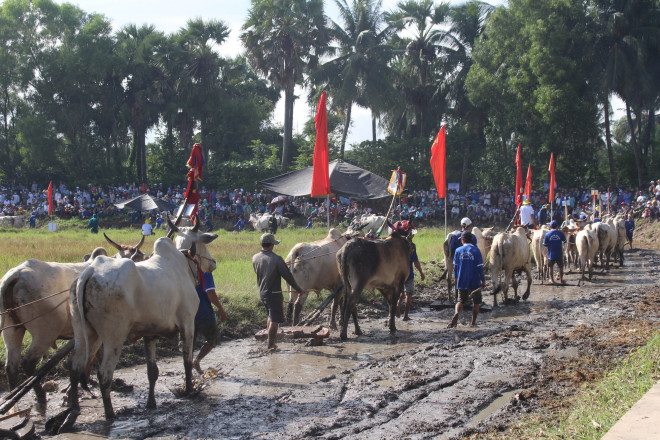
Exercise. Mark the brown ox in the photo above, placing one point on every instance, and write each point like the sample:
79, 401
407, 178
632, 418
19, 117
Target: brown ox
314, 267
510, 253
372, 264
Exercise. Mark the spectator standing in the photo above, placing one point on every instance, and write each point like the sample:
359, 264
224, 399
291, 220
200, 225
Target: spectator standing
33, 220
93, 224
630, 227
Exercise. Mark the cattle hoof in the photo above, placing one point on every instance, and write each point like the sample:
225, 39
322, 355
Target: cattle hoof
358, 332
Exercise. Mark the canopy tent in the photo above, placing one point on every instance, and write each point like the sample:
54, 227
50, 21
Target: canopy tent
345, 180
145, 202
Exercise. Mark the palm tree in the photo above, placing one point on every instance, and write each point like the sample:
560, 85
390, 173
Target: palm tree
359, 72
138, 47
283, 38
202, 65
467, 24
418, 68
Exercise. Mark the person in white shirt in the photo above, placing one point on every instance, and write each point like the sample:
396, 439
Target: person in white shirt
146, 227
527, 217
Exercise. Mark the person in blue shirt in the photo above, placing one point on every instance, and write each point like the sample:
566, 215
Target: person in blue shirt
33, 221
630, 227
456, 238
406, 228
309, 222
159, 221
240, 224
554, 240
93, 224
469, 277
205, 323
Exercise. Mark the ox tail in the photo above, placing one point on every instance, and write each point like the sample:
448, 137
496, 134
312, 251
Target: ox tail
496, 267
7, 294
77, 298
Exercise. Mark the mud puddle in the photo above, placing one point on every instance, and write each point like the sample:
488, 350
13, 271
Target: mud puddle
425, 381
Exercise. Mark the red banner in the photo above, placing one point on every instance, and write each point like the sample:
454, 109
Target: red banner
551, 169
196, 164
320, 176
519, 188
50, 198
528, 183
439, 163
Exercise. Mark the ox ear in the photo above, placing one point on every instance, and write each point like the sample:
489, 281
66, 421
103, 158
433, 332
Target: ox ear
207, 237
119, 248
173, 228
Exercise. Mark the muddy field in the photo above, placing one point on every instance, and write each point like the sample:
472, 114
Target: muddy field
425, 381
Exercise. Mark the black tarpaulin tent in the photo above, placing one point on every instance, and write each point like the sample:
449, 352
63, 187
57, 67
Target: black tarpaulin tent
345, 180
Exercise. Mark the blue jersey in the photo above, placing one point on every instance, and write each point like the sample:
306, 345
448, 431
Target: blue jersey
553, 241
630, 227
455, 242
468, 267
413, 259
205, 313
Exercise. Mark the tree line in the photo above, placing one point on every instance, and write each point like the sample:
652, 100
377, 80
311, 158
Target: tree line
79, 99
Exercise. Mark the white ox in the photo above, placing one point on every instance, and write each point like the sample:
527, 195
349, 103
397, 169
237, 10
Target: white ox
619, 225
510, 253
45, 287
314, 267
607, 239
11, 221
540, 252
587, 245
484, 243
116, 300
260, 221
366, 224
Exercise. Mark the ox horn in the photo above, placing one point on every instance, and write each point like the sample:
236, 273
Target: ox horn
119, 248
197, 222
173, 228
139, 245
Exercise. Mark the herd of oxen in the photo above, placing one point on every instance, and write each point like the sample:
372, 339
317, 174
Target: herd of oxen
129, 296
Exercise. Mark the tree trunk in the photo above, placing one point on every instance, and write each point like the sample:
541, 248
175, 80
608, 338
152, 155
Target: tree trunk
635, 147
608, 142
344, 133
466, 162
288, 126
373, 127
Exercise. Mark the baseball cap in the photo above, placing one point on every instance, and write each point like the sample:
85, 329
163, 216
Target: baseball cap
526, 202
554, 224
583, 217
466, 221
268, 238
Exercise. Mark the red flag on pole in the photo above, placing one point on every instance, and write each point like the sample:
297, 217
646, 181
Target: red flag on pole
528, 183
50, 198
551, 169
519, 188
320, 176
439, 163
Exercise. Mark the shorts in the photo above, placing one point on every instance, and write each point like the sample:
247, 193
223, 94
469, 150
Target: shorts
208, 330
464, 297
560, 263
274, 304
409, 286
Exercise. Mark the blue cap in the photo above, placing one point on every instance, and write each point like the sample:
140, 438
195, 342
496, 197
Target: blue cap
554, 224
583, 217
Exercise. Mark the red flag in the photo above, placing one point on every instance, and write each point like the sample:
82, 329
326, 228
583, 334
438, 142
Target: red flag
439, 163
528, 183
519, 188
551, 169
320, 176
50, 198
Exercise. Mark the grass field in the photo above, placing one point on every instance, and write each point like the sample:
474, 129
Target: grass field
234, 277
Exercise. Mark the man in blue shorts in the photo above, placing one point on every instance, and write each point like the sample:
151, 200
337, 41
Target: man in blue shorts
553, 240
469, 277
270, 269
205, 323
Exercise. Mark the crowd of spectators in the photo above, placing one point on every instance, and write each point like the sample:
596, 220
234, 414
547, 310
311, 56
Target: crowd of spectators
483, 207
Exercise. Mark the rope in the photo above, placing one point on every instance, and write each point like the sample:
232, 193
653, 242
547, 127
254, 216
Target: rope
32, 302
299, 257
36, 317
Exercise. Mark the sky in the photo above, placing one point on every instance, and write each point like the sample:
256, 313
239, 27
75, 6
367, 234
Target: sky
171, 15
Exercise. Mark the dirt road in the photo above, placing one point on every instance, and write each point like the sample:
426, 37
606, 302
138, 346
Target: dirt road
423, 382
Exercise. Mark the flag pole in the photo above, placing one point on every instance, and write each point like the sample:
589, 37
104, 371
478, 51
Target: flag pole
327, 198
445, 216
